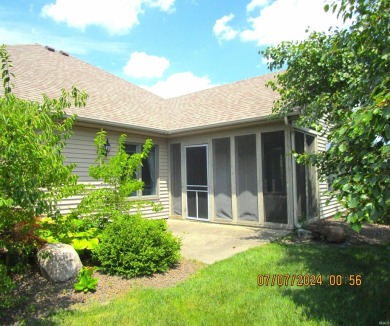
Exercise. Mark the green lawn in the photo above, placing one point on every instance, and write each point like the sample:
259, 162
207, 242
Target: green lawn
226, 293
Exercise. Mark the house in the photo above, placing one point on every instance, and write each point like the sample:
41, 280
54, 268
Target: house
218, 156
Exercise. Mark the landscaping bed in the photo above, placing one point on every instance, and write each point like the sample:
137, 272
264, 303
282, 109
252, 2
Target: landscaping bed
370, 234
37, 297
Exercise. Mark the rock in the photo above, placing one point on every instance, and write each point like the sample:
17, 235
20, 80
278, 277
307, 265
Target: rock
334, 234
59, 262
305, 234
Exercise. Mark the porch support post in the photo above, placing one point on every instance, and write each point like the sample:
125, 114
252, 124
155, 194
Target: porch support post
233, 174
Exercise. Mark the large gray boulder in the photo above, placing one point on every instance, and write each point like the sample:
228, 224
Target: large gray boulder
58, 262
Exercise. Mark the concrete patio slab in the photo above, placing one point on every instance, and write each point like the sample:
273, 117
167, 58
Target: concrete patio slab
209, 242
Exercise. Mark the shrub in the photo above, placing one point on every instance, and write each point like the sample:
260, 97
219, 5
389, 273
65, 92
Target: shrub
119, 171
132, 245
33, 173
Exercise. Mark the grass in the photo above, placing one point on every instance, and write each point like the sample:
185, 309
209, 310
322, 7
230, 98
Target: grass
227, 293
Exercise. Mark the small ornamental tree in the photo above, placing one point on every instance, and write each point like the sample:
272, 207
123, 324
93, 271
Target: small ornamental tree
342, 78
118, 174
33, 176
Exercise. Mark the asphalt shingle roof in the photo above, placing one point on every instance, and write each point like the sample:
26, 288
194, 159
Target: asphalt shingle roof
112, 99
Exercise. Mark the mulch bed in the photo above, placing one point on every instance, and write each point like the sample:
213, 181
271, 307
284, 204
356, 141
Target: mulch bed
37, 298
370, 234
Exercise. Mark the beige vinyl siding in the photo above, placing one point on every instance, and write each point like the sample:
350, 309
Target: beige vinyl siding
326, 210
81, 149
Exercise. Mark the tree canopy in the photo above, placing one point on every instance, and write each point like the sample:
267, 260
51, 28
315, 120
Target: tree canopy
33, 174
341, 80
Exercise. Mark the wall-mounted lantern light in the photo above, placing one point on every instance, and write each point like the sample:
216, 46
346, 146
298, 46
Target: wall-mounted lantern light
106, 147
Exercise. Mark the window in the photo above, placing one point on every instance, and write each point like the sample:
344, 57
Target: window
148, 172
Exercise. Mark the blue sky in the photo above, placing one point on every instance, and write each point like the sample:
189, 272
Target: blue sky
170, 47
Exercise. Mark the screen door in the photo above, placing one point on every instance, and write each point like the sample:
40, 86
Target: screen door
197, 182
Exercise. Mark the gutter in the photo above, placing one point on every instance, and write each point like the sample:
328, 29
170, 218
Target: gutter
234, 124
186, 131
121, 126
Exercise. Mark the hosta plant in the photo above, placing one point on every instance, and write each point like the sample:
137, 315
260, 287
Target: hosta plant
85, 281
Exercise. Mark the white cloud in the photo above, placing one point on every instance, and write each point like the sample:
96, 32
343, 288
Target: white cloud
117, 16
164, 5
180, 84
287, 20
256, 3
141, 65
73, 44
222, 31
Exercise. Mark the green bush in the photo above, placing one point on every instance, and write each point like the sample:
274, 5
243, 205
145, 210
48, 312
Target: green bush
132, 245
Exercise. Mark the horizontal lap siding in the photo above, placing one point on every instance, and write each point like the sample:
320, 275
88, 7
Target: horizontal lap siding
81, 149
326, 210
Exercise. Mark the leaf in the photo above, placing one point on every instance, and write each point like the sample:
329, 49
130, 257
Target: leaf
367, 116
326, 8
346, 187
79, 286
337, 215
353, 203
79, 244
387, 131
357, 226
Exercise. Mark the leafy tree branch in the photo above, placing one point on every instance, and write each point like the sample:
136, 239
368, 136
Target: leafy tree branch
341, 80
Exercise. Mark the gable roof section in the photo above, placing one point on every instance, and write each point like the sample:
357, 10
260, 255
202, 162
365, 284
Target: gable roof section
239, 101
38, 70
114, 100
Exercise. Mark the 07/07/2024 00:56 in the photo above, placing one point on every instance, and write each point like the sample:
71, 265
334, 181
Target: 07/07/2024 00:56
308, 280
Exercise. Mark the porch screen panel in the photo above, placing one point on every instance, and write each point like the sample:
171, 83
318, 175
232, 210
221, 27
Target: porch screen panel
203, 205
311, 180
191, 204
246, 175
222, 179
196, 165
274, 177
300, 172
176, 179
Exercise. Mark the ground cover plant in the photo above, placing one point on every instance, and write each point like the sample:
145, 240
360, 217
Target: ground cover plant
227, 292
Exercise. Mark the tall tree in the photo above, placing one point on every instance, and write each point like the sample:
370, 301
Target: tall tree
33, 176
341, 80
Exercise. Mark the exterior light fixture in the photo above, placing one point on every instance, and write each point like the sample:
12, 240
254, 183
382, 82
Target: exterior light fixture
106, 147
